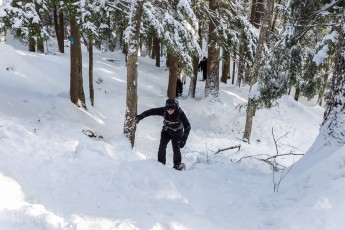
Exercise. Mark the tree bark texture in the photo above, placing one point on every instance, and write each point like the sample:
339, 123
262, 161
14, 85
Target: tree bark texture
233, 71
157, 50
40, 41
226, 67
258, 55
249, 120
194, 78
297, 93
61, 40
74, 69
212, 79
81, 93
32, 45
173, 72
241, 63
59, 29
149, 46
257, 12
132, 74
91, 90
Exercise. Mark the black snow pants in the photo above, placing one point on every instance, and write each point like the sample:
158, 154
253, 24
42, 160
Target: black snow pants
175, 137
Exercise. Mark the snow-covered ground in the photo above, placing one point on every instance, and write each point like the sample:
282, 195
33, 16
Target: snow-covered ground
53, 176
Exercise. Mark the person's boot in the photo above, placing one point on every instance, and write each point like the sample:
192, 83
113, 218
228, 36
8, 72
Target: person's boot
180, 166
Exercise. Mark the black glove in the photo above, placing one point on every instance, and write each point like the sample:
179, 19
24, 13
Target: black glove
183, 141
139, 118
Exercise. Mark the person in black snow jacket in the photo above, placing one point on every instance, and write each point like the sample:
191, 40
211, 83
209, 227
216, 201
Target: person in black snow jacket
176, 128
203, 67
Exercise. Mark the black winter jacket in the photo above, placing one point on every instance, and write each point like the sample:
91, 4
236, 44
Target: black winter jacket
175, 121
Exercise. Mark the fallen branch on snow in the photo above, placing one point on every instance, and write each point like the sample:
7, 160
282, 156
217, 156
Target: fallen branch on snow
232, 147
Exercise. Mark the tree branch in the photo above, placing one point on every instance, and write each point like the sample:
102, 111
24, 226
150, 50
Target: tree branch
232, 147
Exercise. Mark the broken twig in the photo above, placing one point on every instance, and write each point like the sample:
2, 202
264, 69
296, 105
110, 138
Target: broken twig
232, 147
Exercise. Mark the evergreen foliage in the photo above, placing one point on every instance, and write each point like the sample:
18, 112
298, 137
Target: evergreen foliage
23, 19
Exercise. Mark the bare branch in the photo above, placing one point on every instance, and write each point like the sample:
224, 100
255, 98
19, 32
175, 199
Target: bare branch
232, 147
254, 156
286, 154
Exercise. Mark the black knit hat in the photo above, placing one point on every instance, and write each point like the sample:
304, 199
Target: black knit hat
171, 104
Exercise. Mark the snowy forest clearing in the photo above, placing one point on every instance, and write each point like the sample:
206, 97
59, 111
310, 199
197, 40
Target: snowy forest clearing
53, 176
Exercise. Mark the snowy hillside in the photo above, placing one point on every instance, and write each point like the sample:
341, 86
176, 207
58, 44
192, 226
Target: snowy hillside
53, 176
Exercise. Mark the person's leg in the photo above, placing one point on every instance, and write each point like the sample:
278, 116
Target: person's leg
165, 138
204, 75
175, 139
181, 89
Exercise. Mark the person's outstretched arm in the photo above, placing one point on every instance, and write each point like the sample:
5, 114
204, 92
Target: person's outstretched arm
151, 112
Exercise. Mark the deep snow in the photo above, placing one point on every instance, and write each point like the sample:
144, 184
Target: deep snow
53, 176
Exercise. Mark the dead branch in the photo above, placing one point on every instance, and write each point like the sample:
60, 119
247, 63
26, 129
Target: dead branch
275, 166
232, 147
254, 156
285, 154
276, 140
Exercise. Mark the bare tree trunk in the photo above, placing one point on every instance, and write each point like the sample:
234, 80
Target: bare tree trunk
323, 87
275, 17
173, 71
233, 71
258, 55
167, 61
132, 74
40, 46
74, 68
257, 12
32, 45
157, 50
40, 41
212, 80
226, 67
194, 78
59, 29
81, 93
3, 37
91, 90
62, 33
150, 49
297, 93
241, 63
249, 120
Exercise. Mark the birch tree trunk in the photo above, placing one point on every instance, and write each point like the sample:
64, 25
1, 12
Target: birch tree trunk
132, 72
